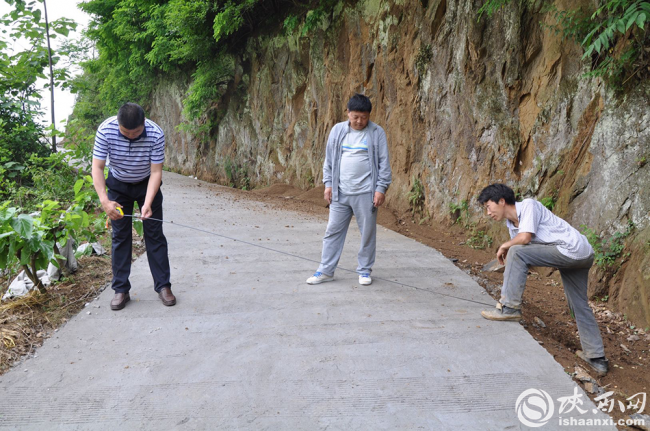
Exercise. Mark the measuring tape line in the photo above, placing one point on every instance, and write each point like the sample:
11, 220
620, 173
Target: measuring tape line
297, 257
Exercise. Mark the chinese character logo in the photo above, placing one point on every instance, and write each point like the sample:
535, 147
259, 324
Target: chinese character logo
534, 407
568, 404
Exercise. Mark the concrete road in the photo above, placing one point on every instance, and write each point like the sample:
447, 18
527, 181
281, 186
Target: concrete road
251, 346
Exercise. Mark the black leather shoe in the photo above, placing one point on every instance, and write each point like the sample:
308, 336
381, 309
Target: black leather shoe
599, 365
120, 300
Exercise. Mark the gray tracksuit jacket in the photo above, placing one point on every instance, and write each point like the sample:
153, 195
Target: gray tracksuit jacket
377, 154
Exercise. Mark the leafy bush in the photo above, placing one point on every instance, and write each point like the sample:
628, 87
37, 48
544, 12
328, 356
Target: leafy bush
31, 239
140, 41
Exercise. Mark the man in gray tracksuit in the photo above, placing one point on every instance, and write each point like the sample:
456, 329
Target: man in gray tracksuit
356, 174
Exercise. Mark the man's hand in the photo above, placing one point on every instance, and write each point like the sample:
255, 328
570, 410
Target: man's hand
502, 252
145, 212
111, 211
328, 195
522, 238
379, 199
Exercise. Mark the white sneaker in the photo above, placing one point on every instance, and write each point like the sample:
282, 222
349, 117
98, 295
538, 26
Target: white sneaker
319, 278
365, 280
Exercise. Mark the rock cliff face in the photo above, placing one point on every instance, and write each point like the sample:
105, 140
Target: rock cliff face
464, 103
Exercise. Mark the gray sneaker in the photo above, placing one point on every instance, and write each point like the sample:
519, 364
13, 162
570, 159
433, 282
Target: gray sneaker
599, 365
501, 312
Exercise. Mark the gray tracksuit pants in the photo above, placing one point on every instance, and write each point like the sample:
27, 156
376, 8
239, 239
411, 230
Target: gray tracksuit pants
574, 274
341, 211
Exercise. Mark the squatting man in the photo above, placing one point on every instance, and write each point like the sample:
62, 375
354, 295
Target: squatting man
540, 238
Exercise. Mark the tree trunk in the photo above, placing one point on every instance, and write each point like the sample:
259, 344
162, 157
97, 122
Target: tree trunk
32, 275
49, 58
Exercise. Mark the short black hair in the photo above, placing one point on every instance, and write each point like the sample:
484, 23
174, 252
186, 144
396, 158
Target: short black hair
130, 116
496, 192
359, 103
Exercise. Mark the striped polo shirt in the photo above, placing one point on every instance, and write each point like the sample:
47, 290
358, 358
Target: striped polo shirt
129, 159
547, 228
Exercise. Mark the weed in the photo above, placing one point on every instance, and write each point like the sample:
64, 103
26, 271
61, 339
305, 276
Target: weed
607, 251
479, 239
548, 202
416, 197
460, 213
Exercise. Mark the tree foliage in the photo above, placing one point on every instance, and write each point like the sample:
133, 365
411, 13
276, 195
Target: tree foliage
20, 134
140, 40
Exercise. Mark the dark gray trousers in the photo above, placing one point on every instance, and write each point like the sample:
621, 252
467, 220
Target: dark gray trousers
574, 274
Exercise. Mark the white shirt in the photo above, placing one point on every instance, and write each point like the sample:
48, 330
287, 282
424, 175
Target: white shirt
355, 176
547, 228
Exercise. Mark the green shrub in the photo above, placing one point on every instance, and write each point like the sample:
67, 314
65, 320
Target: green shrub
548, 202
606, 251
460, 213
416, 197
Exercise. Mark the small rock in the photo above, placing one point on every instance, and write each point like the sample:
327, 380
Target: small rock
453, 259
624, 347
633, 338
591, 387
96, 306
644, 418
88, 312
539, 322
582, 375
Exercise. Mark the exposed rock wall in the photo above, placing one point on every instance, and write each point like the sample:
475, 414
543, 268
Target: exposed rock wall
464, 103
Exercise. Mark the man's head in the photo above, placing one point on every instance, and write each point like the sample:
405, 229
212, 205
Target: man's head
130, 117
496, 198
359, 108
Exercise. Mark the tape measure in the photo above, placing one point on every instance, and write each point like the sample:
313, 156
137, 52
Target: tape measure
119, 210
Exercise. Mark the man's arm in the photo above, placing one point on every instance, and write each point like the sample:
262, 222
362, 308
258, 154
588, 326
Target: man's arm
522, 238
152, 189
100, 187
327, 168
384, 174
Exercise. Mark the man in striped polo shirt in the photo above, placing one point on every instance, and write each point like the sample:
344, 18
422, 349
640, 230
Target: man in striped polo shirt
540, 238
135, 147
